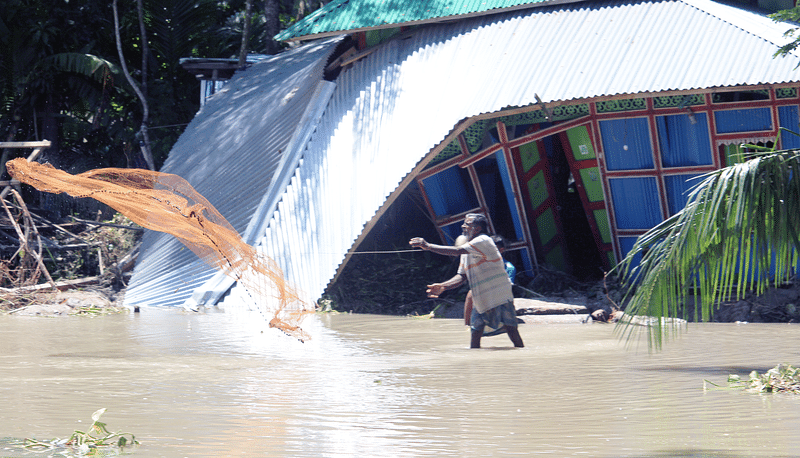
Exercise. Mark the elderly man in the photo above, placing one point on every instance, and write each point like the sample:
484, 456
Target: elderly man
483, 267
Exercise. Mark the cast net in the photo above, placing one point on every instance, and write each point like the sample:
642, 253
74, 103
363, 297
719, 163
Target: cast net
167, 203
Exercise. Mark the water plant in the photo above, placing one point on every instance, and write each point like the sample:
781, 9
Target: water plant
783, 378
97, 440
96, 310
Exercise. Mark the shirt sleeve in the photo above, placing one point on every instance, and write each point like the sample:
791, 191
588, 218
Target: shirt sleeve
462, 265
482, 246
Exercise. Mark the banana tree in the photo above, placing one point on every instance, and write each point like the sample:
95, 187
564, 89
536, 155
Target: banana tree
53, 83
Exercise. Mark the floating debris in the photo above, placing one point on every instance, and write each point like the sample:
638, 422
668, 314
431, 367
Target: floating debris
783, 378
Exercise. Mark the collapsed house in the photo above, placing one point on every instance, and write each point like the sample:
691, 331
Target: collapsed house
574, 126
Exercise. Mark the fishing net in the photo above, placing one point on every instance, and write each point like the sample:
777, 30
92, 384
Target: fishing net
167, 203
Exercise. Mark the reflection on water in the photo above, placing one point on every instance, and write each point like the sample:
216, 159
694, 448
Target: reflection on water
223, 384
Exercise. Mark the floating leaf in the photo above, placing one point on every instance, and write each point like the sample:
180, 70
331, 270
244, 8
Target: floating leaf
96, 416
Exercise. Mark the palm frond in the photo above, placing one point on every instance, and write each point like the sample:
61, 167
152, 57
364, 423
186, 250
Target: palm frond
86, 65
738, 232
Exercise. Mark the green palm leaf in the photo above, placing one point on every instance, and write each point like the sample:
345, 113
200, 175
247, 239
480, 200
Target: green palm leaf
738, 232
87, 65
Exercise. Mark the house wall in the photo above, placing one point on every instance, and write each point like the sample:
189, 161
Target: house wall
626, 163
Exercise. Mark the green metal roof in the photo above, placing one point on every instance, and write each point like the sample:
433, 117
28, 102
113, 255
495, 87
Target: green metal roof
347, 16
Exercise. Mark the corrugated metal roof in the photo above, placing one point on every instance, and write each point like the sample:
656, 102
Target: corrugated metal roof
236, 153
345, 16
391, 108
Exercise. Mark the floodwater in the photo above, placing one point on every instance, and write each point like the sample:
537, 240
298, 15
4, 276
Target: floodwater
223, 384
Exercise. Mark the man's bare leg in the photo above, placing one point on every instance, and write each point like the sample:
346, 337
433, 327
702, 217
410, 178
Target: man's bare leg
468, 308
476, 338
513, 334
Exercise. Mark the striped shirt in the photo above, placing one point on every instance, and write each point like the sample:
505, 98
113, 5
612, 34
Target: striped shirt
486, 274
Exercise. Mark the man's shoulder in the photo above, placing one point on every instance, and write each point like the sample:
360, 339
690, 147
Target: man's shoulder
481, 239
483, 247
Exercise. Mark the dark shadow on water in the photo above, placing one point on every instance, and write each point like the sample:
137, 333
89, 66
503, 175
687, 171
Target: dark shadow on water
724, 370
90, 355
691, 453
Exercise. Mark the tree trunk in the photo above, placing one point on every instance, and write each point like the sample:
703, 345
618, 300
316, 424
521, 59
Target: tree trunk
539, 307
301, 10
145, 139
145, 48
245, 34
272, 25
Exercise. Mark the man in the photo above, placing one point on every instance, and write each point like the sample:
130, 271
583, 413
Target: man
500, 243
484, 269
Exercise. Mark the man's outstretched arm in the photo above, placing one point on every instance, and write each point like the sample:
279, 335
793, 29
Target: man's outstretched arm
419, 242
436, 289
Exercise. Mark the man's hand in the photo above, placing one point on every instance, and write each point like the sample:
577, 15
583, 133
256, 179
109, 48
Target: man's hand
418, 242
435, 290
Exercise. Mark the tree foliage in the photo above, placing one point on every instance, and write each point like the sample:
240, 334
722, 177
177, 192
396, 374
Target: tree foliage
789, 16
60, 78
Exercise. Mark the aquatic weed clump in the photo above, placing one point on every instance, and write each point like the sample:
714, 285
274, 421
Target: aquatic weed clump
95, 441
783, 378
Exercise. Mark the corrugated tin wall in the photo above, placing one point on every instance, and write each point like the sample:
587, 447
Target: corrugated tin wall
231, 153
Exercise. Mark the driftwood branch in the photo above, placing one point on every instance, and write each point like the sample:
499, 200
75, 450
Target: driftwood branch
98, 223
125, 264
23, 238
62, 285
61, 229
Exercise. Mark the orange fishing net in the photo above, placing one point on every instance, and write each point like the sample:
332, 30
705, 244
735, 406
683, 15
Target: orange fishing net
168, 203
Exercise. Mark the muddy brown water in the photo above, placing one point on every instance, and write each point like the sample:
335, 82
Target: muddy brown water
223, 384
